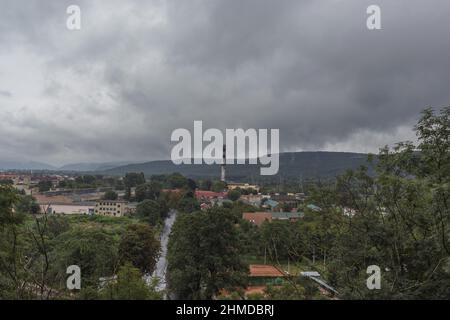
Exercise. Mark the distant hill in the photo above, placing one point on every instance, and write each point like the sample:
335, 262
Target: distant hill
292, 164
86, 166
74, 167
24, 165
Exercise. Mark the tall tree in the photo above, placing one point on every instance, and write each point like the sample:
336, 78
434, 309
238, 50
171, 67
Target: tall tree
110, 195
93, 250
204, 256
140, 247
131, 180
148, 191
149, 211
398, 219
129, 285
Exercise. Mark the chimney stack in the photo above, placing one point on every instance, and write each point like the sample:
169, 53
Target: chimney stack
223, 171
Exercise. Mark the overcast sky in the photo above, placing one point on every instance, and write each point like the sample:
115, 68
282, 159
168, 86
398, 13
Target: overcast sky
137, 70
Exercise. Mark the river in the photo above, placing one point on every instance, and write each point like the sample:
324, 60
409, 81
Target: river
161, 265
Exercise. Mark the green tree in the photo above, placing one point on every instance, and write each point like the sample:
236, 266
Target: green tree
191, 185
177, 180
150, 211
204, 255
282, 240
11, 246
218, 186
93, 250
110, 195
25, 252
130, 286
131, 180
188, 205
206, 184
398, 219
57, 225
234, 195
44, 185
150, 191
27, 204
139, 246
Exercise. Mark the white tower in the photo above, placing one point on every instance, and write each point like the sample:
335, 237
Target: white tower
223, 171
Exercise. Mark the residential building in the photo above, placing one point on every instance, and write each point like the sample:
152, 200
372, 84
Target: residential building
232, 186
291, 216
262, 276
131, 208
117, 208
258, 218
251, 199
69, 209
289, 200
270, 204
201, 195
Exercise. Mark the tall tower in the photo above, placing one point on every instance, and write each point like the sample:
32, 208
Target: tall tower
223, 170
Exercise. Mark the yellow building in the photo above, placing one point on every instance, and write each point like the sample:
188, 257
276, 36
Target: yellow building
232, 186
111, 208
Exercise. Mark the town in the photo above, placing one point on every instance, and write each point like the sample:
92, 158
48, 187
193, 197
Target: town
134, 195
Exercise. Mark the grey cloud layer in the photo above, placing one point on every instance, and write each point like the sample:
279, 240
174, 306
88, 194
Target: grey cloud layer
116, 89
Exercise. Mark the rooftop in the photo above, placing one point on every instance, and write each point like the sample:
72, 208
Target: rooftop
257, 217
287, 215
112, 201
261, 270
313, 207
208, 194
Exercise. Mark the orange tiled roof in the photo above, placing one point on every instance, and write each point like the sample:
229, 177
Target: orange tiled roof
208, 194
257, 217
260, 270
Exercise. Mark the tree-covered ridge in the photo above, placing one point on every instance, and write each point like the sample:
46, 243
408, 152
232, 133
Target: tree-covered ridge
292, 165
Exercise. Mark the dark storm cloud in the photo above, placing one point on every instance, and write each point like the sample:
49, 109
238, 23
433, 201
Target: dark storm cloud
116, 89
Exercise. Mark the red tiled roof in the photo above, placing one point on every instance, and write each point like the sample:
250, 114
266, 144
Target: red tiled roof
261, 270
208, 194
257, 217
